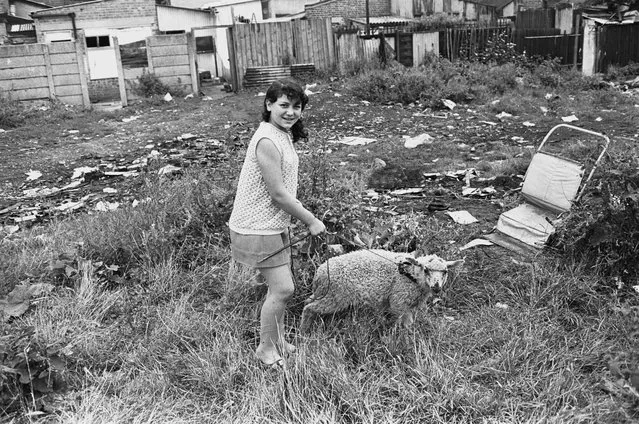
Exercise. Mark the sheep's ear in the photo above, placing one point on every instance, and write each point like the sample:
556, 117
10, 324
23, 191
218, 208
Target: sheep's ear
453, 264
414, 253
406, 266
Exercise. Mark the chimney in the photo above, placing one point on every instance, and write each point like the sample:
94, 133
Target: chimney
4, 6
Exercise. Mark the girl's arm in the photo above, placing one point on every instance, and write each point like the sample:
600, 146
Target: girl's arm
269, 159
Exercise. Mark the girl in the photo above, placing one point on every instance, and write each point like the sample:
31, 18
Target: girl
264, 203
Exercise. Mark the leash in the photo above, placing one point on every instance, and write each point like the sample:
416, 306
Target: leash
294, 242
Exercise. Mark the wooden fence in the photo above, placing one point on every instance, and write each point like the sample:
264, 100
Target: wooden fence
535, 18
465, 43
171, 58
613, 46
549, 43
280, 43
44, 71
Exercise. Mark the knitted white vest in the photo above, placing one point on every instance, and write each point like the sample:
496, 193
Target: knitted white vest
253, 209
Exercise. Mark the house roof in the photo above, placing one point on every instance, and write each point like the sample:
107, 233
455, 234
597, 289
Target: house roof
54, 10
383, 20
607, 18
221, 3
35, 3
14, 20
497, 4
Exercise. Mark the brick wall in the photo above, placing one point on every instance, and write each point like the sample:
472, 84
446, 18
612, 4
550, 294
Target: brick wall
104, 90
109, 10
348, 9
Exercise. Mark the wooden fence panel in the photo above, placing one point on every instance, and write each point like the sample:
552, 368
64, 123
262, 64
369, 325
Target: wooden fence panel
535, 18
43, 71
613, 47
282, 43
170, 59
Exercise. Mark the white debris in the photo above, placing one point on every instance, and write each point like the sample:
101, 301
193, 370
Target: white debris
33, 175
356, 141
449, 104
102, 206
476, 242
81, 171
462, 217
109, 190
168, 170
69, 206
503, 115
500, 305
168, 97
412, 142
528, 124
571, 118
403, 191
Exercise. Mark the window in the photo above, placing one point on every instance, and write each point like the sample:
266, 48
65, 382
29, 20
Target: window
98, 41
204, 44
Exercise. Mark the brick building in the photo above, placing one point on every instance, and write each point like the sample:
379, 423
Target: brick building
347, 9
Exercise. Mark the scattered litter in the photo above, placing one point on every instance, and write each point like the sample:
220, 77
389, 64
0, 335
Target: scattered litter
308, 92
337, 95
379, 163
81, 171
2, 130
475, 243
131, 118
449, 104
109, 190
69, 206
488, 123
74, 131
599, 119
431, 175
543, 109
26, 218
437, 205
366, 103
188, 96
412, 142
548, 96
528, 124
356, 141
636, 288
571, 118
501, 305
103, 206
404, 191
481, 192
518, 139
503, 115
168, 170
33, 175
462, 217
168, 97
335, 249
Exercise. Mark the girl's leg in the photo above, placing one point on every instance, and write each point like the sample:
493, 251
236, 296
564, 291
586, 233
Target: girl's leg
280, 289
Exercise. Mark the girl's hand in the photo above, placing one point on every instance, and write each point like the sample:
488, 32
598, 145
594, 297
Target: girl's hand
317, 227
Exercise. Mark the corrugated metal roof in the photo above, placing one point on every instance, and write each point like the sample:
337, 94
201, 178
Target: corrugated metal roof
607, 18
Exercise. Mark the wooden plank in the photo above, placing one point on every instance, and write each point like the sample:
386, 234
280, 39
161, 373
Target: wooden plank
177, 81
19, 73
181, 70
195, 78
163, 61
72, 99
230, 42
63, 58
59, 48
22, 50
68, 68
21, 84
49, 68
268, 38
21, 62
166, 40
30, 94
118, 62
331, 44
159, 51
66, 79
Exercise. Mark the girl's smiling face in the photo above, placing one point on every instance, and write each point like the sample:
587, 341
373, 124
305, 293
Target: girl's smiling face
285, 112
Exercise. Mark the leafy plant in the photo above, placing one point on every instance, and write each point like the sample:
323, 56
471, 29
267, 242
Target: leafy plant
149, 85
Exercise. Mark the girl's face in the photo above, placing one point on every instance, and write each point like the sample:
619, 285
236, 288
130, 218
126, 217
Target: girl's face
284, 112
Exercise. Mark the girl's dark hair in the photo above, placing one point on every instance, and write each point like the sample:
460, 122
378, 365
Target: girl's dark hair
294, 91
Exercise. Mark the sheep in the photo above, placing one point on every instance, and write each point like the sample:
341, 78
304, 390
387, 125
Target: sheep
375, 278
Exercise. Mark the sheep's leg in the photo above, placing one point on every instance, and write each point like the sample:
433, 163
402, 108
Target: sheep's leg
308, 316
399, 309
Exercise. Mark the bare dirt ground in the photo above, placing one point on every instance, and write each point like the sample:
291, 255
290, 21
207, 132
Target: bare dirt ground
207, 130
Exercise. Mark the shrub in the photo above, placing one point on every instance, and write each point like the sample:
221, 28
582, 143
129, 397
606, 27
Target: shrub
604, 229
149, 85
11, 114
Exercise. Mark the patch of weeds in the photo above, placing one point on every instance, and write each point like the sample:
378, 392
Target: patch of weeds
603, 230
622, 73
149, 85
11, 114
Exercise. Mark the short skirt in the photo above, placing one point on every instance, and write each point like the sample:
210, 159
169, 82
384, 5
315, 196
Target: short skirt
249, 249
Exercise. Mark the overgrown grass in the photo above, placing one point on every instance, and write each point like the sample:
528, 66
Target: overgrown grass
143, 326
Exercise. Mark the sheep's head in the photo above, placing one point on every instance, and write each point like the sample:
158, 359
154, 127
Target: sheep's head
427, 271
